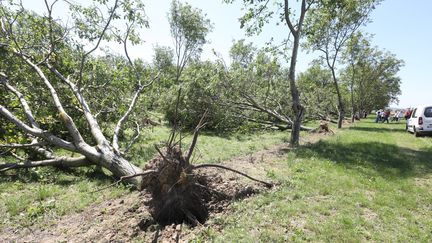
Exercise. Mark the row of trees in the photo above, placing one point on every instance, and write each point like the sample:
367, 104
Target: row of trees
253, 88
55, 92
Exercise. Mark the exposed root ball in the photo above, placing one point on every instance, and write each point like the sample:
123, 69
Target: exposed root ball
183, 193
323, 128
177, 207
177, 195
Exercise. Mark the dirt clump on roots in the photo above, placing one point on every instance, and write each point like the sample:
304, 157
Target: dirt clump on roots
181, 193
176, 193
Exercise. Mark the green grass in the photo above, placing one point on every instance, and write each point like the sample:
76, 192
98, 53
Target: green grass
211, 148
43, 194
46, 193
370, 182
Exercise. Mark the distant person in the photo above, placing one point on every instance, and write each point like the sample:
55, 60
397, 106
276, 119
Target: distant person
386, 116
407, 114
400, 115
378, 116
395, 117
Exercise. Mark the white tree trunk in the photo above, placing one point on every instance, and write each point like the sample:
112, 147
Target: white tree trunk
119, 166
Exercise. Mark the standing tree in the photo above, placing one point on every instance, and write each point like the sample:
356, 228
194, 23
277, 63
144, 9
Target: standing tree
47, 64
257, 16
358, 49
317, 92
330, 25
189, 28
371, 75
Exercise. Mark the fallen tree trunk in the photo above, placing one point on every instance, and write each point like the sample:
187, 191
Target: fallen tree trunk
276, 125
326, 118
104, 153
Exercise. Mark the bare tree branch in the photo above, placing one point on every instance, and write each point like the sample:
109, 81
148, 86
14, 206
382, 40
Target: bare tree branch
124, 118
272, 113
128, 29
16, 156
18, 145
94, 126
113, 11
49, 8
59, 161
134, 139
195, 137
173, 133
27, 111
35, 144
288, 20
66, 119
160, 153
123, 178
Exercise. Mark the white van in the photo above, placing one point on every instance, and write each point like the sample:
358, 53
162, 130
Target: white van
420, 122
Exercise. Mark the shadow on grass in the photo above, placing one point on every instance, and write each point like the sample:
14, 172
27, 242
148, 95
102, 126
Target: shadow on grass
382, 129
388, 160
57, 176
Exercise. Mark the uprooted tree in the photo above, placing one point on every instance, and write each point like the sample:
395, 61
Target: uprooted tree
52, 88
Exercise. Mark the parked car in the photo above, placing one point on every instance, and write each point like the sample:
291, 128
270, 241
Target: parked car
420, 122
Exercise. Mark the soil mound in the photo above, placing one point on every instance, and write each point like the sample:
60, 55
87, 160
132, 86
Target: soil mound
181, 194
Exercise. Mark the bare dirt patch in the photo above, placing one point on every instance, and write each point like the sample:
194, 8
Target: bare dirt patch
126, 218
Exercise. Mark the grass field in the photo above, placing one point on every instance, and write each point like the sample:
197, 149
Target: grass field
368, 182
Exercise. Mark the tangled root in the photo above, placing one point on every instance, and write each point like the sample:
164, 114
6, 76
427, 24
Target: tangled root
177, 195
182, 194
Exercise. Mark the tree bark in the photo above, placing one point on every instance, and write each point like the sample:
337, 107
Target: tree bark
297, 106
118, 165
341, 109
341, 114
353, 110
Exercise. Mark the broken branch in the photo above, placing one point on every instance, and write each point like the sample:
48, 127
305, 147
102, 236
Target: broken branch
195, 136
59, 161
18, 145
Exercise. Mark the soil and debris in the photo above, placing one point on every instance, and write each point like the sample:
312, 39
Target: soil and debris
128, 217
132, 216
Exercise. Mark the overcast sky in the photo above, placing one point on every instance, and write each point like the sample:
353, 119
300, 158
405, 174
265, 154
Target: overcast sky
399, 26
